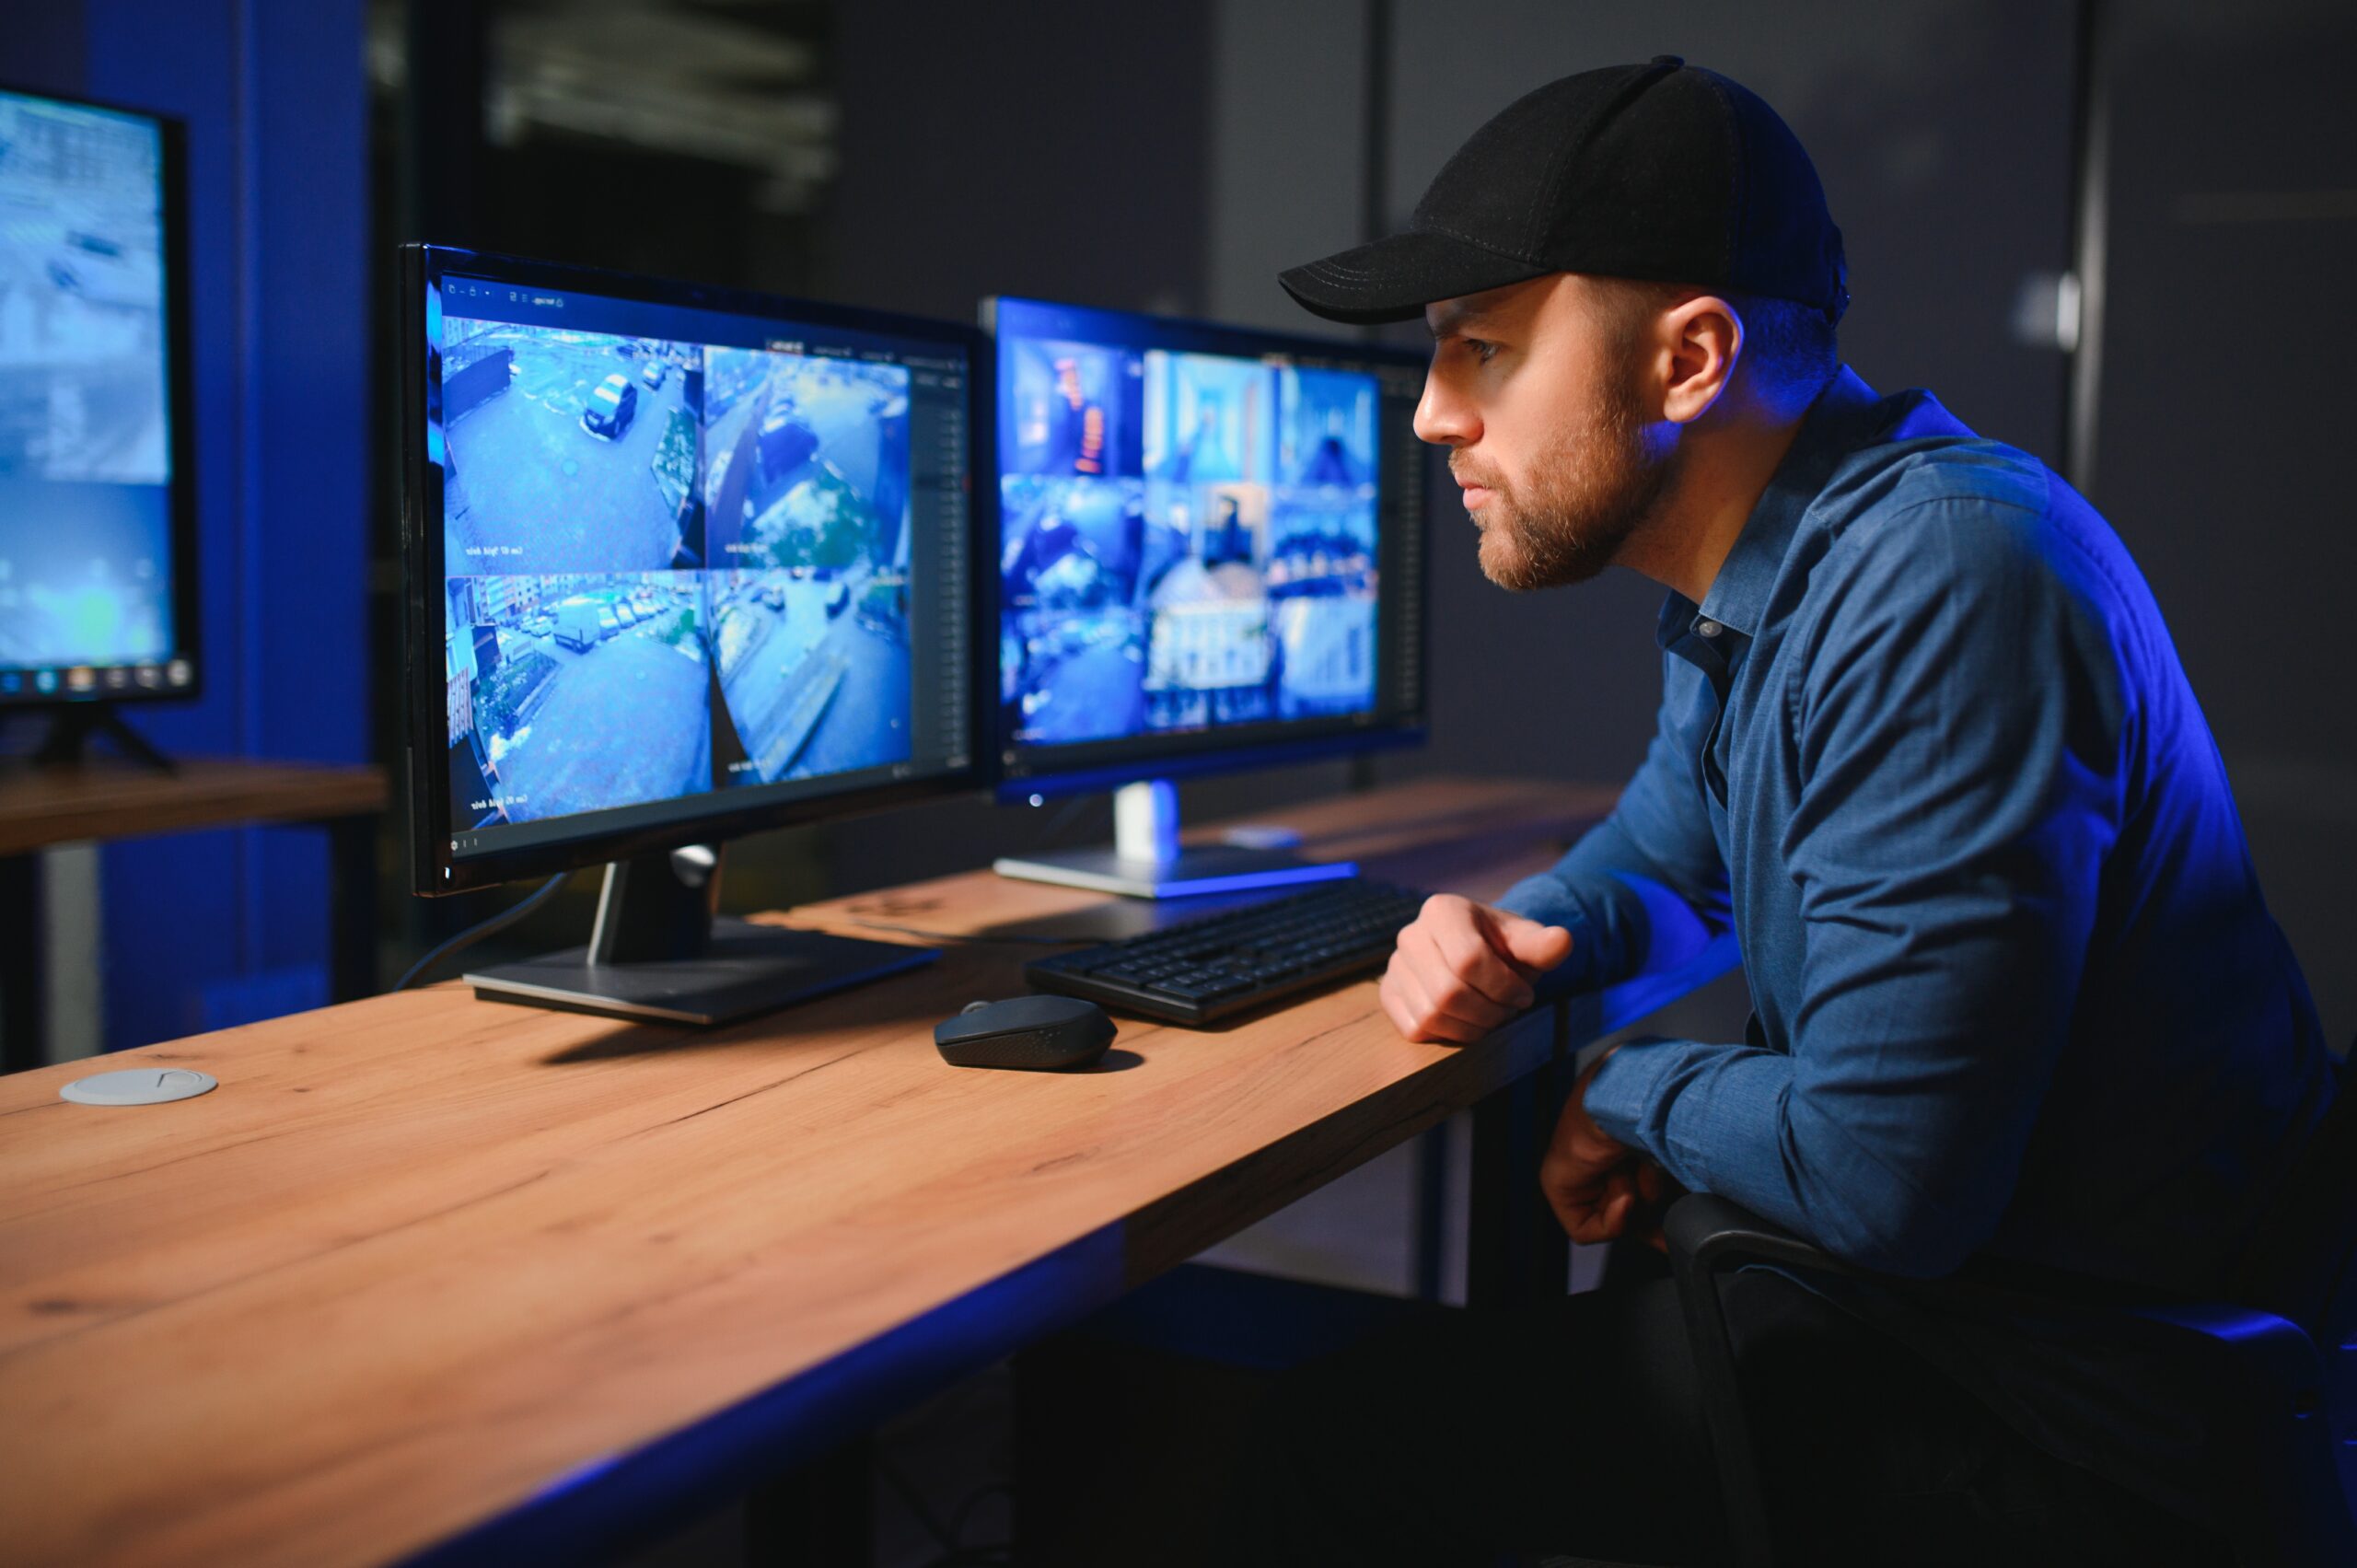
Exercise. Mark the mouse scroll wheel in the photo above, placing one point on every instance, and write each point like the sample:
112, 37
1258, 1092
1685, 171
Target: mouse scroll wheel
971, 1007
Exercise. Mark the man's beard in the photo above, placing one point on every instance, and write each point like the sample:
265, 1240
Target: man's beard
1588, 491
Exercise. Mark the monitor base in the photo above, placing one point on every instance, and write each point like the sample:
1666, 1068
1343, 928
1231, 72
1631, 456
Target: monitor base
1147, 861
1213, 869
744, 969
70, 729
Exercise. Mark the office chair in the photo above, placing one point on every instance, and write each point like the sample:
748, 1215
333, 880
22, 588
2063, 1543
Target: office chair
2278, 1385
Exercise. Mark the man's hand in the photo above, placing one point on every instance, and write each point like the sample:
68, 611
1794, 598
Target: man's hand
1599, 1187
1463, 968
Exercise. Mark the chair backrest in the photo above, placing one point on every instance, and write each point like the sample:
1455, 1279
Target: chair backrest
2299, 1260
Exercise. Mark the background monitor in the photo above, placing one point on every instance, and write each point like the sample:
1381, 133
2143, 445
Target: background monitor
1211, 556
97, 498
683, 563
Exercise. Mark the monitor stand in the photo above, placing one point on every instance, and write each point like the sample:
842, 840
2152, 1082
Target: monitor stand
660, 953
70, 729
1147, 860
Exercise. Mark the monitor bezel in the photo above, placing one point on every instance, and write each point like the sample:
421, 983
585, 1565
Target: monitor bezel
435, 871
1192, 754
179, 391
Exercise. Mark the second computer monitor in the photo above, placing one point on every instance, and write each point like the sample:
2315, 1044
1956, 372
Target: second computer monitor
1210, 548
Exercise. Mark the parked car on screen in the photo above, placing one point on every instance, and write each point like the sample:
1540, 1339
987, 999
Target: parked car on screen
837, 600
612, 405
785, 442
651, 374
577, 627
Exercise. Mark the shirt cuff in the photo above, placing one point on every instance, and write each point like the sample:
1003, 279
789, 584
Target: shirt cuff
1625, 1087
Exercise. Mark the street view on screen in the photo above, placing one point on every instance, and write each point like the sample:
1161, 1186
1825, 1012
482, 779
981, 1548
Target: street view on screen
1187, 539
673, 566
86, 449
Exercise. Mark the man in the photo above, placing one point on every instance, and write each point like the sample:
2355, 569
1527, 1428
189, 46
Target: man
1925, 744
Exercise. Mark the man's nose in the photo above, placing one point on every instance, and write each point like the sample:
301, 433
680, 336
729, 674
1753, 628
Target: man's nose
1444, 417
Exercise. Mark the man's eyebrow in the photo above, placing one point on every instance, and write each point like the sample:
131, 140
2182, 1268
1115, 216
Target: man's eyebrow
1454, 319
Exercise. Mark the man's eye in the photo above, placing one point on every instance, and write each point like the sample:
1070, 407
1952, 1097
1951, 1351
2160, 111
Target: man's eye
1482, 351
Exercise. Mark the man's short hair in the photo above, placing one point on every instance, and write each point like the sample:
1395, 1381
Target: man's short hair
1789, 349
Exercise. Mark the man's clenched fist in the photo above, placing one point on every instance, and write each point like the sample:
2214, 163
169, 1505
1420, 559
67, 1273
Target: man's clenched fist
1463, 968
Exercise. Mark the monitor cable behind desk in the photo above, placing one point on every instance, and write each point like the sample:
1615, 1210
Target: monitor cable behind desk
480, 929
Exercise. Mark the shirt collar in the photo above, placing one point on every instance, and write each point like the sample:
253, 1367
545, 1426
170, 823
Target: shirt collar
1844, 417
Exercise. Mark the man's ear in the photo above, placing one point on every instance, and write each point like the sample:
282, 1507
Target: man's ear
1704, 337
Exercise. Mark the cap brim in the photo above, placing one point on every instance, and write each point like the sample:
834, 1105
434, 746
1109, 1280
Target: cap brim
1394, 279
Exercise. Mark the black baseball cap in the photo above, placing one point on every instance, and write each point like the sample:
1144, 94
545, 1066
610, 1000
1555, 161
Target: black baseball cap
1663, 171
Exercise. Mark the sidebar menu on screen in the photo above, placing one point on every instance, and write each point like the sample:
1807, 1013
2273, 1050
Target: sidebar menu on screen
939, 448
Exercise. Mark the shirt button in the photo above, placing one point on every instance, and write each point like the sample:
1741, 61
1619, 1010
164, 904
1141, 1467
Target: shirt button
1707, 628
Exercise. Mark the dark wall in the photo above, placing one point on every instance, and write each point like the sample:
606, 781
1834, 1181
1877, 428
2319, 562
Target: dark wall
2220, 453
1054, 148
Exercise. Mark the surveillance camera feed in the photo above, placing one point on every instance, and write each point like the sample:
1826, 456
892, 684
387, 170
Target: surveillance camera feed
1195, 542
687, 554
87, 587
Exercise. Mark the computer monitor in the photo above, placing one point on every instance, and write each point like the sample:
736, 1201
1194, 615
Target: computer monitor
98, 492
683, 563
1211, 556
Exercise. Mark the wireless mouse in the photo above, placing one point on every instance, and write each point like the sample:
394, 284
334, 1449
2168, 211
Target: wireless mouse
1026, 1031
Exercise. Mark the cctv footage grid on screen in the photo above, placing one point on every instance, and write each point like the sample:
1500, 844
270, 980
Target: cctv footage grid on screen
86, 590
689, 554
1199, 541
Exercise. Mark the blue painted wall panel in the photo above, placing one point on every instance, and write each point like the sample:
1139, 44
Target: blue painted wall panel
307, 138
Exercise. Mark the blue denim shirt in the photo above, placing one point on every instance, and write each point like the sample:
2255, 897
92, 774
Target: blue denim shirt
1927, 746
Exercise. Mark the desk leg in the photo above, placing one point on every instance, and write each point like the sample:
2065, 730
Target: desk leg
23, 1029
1431, 1204
1515, 1249
351, 907
820, 1515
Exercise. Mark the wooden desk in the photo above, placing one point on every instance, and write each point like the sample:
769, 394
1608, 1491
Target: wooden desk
425, 1269
106, 800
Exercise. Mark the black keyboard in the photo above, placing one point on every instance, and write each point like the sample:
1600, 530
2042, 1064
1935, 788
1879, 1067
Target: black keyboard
1202, 969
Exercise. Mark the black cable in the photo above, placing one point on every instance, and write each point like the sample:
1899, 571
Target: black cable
476, 933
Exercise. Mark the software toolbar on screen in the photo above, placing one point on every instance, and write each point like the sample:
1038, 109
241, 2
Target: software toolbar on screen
687, 554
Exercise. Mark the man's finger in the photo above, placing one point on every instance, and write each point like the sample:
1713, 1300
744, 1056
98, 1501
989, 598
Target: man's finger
1395, 1005
1604, 1221
1591, 1203
1535, 946
1443, 986
1416, 1015
1464, 945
